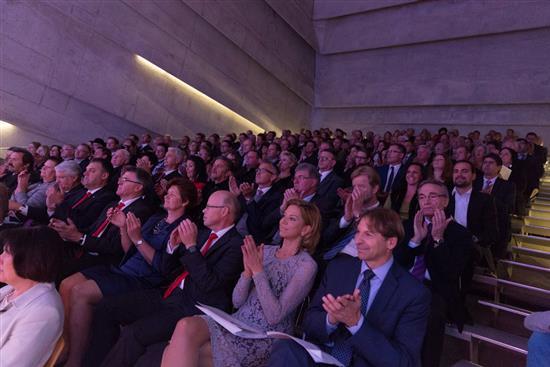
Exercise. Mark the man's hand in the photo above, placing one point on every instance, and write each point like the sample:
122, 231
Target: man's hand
116, 217
14, 205
23, 181
439, 224
289, 195
247, 190
133, 227
420, 228
187, 231
233, 186
54, 197
345, 309
67, 231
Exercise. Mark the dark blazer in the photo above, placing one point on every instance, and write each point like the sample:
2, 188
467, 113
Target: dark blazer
257, 221
83, 164
446, 264
327, 188
211, 278
398, 177
504, 193
108, 247
394, 327
168, 177
87, 212
481, 217
40, 215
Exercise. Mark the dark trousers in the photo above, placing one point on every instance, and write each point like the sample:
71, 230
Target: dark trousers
147, 323
435, 332
287, 353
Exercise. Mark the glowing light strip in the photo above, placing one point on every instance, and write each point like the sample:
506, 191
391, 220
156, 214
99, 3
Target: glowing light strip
248, 125
5, 124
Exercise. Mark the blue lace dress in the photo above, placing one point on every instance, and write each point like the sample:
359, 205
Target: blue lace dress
267, 301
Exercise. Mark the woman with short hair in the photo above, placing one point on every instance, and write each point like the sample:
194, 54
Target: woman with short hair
31, 312
140, 268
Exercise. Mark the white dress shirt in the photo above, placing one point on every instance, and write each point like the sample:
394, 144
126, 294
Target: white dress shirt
461, 206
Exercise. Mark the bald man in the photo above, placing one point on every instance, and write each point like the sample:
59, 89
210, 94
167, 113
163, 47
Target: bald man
213, 260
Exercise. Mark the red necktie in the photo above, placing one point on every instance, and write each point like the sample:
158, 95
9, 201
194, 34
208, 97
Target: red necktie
82, 199
176, 283
99, 231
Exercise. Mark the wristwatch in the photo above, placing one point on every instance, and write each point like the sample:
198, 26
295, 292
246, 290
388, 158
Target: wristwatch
438, 242
192, 249
139, 243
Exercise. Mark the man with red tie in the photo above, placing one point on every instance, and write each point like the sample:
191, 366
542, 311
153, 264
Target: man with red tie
208, 265
86, 205
100, 242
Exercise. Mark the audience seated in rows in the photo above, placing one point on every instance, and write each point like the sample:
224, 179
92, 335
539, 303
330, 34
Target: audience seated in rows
121, 251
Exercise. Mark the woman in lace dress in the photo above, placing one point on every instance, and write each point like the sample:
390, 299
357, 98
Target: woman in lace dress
273, 284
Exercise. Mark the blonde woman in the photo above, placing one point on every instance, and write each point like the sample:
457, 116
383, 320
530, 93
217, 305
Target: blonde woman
273, 284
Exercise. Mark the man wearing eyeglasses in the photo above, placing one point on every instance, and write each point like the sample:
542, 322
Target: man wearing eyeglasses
204, 265
258, 202
101, 241
437, 251
330, 182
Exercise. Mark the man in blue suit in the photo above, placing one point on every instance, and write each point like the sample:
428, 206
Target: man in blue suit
368, 311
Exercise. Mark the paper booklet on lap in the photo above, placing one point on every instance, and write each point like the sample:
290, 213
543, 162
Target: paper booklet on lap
240, 329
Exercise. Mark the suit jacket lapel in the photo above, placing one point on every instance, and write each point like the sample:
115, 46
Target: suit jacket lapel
349, 277
219, 243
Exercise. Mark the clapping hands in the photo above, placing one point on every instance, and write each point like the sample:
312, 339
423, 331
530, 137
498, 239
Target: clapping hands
253, 257
345, 309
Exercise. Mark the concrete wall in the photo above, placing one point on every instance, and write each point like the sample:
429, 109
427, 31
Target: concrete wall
472, 64
68, 69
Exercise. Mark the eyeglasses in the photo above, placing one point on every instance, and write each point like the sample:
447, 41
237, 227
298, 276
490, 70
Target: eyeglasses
430, 196
262, 170
124, 179
300, 178
214, 206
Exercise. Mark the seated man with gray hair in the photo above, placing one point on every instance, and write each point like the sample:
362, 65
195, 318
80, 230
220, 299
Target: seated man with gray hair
66, 188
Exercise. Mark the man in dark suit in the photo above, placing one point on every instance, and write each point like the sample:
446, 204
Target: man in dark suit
368, 311
258, 203
339, 234
219, 178
504, 193
67, 189
172, 161
101, 241
474, 210
437, 250
247, 173
19, 160
209, 263
528, 164
82, 155
85, 206
330, 182
393, 173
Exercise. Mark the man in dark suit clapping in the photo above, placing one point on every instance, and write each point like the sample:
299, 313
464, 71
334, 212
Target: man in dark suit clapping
207, 263
437, 251
368, 311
